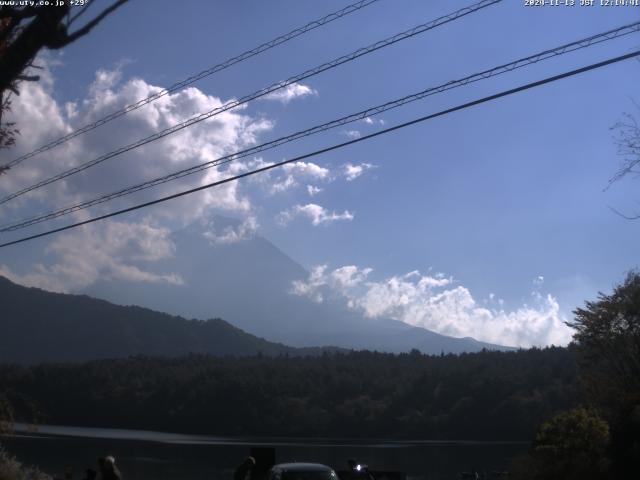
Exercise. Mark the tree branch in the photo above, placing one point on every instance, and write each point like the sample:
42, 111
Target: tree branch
627, 217
47, 29
82, 11
18, 14
22, 51
66, 39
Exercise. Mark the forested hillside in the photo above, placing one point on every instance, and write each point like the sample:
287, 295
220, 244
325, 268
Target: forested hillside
486, 395
40, 326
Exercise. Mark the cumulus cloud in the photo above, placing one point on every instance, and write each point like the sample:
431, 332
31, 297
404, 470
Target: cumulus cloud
320, 283
312, 190
312, 286
39, 277
110, 251
42, 118
351, 172
220, 135
293, 173
283, 184
435, 303
307, 170
291, 92
229, 234
373, 121
352, 133
349, 276
316, 213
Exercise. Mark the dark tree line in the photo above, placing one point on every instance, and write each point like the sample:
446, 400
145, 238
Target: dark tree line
601, 441
487, 395
580, 405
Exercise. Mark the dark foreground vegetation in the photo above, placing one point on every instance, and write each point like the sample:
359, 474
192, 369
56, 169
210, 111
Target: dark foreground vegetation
488, 395
12, 469
602, 439
580, 405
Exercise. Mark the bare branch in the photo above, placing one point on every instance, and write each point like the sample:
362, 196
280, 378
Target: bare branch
627, 139
19, 53
18, 14
29, 78
47, 29
66, 39
627, 217
82, 11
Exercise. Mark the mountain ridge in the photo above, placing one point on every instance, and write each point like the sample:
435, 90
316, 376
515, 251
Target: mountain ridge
41, 326
249, 283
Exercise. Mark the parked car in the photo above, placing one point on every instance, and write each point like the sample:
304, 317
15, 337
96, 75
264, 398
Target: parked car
301, 471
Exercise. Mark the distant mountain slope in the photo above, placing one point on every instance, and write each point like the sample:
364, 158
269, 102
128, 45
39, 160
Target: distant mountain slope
39, 326
248, 283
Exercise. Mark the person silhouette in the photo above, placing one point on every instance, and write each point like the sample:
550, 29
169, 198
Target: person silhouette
245, 469
108, 469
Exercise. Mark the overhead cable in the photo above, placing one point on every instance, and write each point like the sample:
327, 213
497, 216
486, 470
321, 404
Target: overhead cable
463, 106
354, 7
361, 115
258, 94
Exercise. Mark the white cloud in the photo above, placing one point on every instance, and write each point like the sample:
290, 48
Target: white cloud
373, 121
231, 233
125, 249
293, 173
283, 184
312, 287
291, 92
222, 134
307, 170
312, 190
433, 302
102, 251
39, 278
349, 276
352, 133
317, 214
351, 172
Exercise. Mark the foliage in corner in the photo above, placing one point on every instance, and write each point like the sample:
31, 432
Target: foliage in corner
12, 469
571, 446
604, 440
6, 416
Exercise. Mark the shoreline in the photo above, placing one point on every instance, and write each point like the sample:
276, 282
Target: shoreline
52, 431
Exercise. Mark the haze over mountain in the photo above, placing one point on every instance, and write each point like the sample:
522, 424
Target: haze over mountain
249, 283
39, 326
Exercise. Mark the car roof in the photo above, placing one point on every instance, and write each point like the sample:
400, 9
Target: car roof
302, 467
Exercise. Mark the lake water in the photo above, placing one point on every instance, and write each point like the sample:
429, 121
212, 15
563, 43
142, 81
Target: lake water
143, 455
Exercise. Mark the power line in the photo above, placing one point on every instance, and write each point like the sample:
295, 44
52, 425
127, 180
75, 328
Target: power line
354, 7
336, 146
260, 93
372, 111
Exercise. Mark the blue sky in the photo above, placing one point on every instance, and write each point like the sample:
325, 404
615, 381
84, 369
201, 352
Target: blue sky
493, 197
